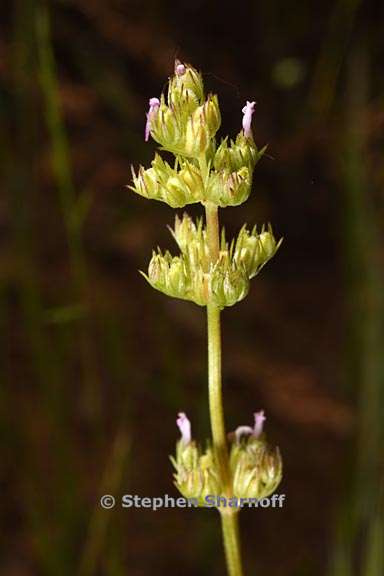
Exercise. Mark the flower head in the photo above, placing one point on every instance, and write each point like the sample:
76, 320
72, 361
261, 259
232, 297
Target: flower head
248, 111
154, 104
184, 426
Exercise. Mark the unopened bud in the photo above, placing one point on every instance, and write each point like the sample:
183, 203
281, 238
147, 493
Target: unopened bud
268, 243
253, 250
228, 283
227, 188
201, 127
237, 154
176, 277
185, 231
186, 86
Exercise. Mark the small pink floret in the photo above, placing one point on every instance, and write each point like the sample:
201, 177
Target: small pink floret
248, 111
154, 104
184, 426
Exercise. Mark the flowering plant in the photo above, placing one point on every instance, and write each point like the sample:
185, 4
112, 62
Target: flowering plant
212, 272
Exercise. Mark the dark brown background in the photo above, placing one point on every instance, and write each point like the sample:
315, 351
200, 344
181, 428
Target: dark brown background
96, 364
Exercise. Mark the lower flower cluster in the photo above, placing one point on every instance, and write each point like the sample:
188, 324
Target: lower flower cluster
196, 474
190, 276
256, 468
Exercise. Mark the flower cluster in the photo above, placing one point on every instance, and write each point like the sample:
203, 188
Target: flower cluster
185, 124
256, 469
191, 276
175, 186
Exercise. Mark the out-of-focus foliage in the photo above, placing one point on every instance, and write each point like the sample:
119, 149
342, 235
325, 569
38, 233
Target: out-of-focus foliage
95, 365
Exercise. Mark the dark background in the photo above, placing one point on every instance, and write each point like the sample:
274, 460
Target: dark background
95, 364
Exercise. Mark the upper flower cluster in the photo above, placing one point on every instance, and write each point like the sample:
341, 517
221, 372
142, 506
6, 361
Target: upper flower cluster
185, 123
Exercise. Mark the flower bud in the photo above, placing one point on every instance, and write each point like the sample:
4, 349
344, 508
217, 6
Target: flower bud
268, 243
145, 183
211, 114
176, 280
256, 468
243, 152
201, 127
185, 87
167, 274
253, 250
186, 231
157, 269
228, 283
192, 241
190, 176
227, 188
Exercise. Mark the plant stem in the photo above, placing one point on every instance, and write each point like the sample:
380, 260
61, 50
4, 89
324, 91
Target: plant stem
215, 395
229, 516
230, 527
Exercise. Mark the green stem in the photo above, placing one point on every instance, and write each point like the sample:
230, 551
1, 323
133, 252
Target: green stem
215, 395
230, 526
229, 516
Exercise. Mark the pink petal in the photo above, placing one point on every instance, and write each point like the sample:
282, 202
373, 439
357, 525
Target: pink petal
184, 426
248, 111
154, 104
259, 423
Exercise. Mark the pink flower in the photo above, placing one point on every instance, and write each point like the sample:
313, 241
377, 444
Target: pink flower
154, 104
256, 431
260, 418
248, 111
184, 426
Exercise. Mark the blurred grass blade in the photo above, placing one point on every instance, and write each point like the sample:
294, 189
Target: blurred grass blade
65, 314
365, 327
374, 561
100, 519
71, 207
